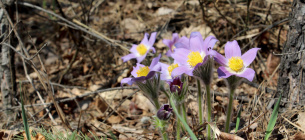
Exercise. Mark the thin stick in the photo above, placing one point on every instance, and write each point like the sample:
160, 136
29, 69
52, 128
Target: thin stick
293, 124
103, 37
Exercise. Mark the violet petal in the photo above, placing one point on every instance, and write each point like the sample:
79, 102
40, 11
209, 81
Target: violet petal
154, 62
210, 42
164, 72
223, 72
183, 42
142, 78
182, 69
248, 73
181, 56
175, 37
168, 43
232, 49
128, 57
196, 42
153, 49
220, 59
126, 80
249, 56
145, 39
152, 38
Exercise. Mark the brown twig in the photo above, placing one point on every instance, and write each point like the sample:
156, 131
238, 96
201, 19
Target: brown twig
74, 24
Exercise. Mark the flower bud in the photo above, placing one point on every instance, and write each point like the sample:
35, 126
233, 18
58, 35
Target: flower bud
164, 112
176, 85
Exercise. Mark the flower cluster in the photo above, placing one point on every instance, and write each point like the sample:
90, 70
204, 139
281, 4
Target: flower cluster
193, 56
188, 54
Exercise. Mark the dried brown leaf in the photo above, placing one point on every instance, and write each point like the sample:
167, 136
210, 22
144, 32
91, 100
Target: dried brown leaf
299, 136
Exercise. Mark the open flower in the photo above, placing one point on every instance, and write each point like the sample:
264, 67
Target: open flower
176, 42
234, 63
142, 72
140, 51
166, 71
189, 58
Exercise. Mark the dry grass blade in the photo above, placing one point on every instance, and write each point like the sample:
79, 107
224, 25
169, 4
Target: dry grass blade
293, 124
223, 135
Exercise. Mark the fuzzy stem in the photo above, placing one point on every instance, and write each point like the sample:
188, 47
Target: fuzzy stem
178, 123
164, 134
209, 109
199, 102
157, 105
230, 105
184, 112
156, 100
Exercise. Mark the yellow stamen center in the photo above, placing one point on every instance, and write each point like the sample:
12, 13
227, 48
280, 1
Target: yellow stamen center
194, 58
143, 71
171, 68
236, 64
141, 49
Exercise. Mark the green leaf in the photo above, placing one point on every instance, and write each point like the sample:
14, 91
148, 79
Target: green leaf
273, 118
25, 121
238, 119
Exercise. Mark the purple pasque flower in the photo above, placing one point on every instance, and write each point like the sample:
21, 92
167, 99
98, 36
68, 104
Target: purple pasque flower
176, 85
189, 58
140, 51
166, 71
234, 63
142, 72
164, 112
176, 42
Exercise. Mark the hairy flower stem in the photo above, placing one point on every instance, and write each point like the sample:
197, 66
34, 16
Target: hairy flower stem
164, 134
178, 124
209, 109
184, 112
156, 98
200, 102
230, 110
156, 102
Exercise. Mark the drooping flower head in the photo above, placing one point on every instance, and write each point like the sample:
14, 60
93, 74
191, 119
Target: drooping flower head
198, 50
176, 42
142, 72
164, 112
234, 63
140, 51
176, 85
